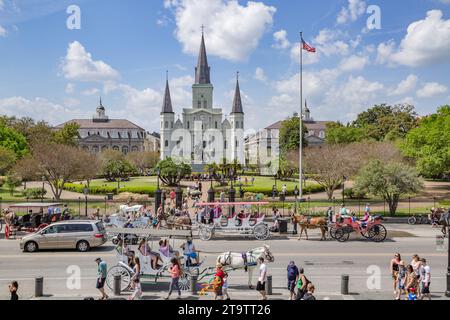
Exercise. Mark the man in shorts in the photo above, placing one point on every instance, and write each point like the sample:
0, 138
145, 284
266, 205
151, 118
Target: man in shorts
102, 272
425, 279
261, 286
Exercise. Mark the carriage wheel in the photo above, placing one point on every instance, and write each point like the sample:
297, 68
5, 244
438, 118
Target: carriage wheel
125, 276
342, 235
261, 231
332, 232
205, 233
377, 233
7, 231
365, 233
185, 282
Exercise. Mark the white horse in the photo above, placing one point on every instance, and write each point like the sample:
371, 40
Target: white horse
245, 260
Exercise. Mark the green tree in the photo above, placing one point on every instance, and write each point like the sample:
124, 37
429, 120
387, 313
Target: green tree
391, 181
290, 135
7, 160
172, 173
117, 170
429, 144
12, 140
68, 135
339, 134
12, 182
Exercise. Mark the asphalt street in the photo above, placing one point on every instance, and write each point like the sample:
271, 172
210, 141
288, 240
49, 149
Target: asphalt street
324, 263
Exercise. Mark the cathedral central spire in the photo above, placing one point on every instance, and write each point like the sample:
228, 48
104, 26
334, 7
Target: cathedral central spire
167, 102
202, 71
237, 101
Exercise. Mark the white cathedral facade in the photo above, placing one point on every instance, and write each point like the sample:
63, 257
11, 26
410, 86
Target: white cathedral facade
203, 136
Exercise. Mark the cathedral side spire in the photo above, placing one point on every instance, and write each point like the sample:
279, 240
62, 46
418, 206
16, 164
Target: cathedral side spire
237, 101
167, 102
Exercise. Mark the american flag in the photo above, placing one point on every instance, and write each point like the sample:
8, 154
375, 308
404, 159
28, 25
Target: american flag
307, 47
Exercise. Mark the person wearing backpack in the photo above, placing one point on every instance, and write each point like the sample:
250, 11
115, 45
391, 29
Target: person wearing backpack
292, 277
302, 284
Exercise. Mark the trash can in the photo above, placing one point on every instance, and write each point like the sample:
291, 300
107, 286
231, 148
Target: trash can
283, 225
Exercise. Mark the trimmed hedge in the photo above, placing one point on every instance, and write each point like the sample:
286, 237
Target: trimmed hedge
268, 191
101, 190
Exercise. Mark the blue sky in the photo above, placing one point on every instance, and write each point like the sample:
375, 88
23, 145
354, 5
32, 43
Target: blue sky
124, 48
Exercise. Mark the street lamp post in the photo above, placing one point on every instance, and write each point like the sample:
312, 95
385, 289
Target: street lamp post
211, 192
79, 208
158, 191
344, 178
447, 292
43, 188
179, 192
232, 192
86, 192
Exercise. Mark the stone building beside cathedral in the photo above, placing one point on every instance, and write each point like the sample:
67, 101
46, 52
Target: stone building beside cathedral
202, 135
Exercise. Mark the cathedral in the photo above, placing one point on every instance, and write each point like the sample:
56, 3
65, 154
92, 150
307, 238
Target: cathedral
202, 135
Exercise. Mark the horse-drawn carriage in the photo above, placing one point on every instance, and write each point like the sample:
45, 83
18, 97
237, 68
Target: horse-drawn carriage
34, 218
373, 229
237, 223
128, 215
148, 272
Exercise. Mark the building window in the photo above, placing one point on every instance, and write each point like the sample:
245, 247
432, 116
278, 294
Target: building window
116, 148
104, 148
134, 149
166, 143
199, 104
205, 104
166, 125
216, 125
188, 125
95, 149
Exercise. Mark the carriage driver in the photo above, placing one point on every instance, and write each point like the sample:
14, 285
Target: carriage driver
189, 250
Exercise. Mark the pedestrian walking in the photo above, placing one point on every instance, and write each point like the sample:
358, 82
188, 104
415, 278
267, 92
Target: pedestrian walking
253, 181
425, 279
175, 274
302, 284
136, 280
292, 278
411, 281
172, 196
393, 269
330, 214
261, 286
13, 288
417, 265
401, 280
225, 287
309, 295
102, 271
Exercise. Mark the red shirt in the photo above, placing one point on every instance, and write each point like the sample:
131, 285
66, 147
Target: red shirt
220, 274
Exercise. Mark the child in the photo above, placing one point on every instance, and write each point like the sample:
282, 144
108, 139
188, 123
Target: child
225, 287
412, 294
401, 279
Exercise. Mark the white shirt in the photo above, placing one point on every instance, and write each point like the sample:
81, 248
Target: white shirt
262, 273
426, 274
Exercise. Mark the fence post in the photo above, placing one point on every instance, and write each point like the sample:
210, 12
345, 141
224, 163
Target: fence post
194, 285
344, 284
117, 284
269, 285
39, 286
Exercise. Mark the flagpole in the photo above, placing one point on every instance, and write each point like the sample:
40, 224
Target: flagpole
300, 171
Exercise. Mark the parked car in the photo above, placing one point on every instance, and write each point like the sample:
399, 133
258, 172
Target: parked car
81, 235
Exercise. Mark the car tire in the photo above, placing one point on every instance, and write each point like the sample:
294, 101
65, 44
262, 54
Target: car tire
31, 247
83, 246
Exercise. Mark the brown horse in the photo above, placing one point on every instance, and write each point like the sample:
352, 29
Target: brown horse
306, 223
179, 222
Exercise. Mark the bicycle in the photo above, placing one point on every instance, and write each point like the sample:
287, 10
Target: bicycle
419, 219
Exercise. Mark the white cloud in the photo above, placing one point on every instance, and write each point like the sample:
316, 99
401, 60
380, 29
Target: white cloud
70, 88
260, 75
432, 89
2, 31
232, 30
78, 65
405, 86
427, 42
281, 41
90, 92
353, 63
39, 109
353, 11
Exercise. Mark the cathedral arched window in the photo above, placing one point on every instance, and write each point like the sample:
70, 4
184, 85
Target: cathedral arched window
125, 150
199, 104
166, 125
205, 104
216, 126
166, 143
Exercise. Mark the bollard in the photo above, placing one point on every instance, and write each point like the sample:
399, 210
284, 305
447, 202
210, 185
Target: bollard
193, 285
39, 287
269, 285
117, 284
344, 284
